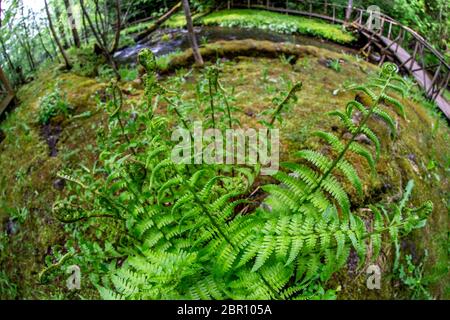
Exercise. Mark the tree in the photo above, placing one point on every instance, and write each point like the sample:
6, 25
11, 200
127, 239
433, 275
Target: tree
55, 37
191, 35
60, 25
100, 31
72, 24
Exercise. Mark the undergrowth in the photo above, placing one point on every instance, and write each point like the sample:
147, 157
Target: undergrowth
53, 104
194, 231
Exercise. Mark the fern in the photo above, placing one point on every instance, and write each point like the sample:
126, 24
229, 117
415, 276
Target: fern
185, 235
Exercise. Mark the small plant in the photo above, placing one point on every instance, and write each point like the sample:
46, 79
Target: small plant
165, 37
286, 60
411, 275
52, 105
335, 65
204, 40
20, 214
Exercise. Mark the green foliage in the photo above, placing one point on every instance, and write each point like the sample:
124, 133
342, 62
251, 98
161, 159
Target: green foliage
335, 65
53, 104
8, 290
186, 232
411, 275
127, 74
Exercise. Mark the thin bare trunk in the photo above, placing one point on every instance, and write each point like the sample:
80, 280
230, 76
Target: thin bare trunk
41, 40
119, 27
191, 35
85, 30
6, 55
103, 46
62, 31
72, 24
55, 36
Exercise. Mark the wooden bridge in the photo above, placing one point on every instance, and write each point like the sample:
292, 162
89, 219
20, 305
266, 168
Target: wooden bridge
385, 36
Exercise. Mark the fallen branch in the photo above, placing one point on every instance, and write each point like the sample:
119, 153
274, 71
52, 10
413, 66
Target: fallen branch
158, 22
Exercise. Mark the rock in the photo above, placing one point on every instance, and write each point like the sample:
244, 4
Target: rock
323, 62
133, 116
59, 184
357, 117
249, 113
412, 157
12, 227
347, 136
363, 139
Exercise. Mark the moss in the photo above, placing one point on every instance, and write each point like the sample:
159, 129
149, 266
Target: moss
231, 49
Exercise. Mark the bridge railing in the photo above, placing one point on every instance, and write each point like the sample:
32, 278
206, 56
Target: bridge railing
423, 56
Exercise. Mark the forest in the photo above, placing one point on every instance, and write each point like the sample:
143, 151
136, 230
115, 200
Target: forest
224, 150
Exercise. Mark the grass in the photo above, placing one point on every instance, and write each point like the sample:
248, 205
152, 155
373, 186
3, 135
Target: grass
266, 20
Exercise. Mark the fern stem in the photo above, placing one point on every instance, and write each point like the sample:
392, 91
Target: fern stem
352, 139
281, 105
224, 95
211, 102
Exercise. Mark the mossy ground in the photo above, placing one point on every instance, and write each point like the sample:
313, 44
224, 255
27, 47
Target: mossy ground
27, 173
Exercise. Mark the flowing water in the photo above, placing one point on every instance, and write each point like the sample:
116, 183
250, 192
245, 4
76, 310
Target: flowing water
166, 41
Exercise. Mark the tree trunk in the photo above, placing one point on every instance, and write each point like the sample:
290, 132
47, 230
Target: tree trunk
98, 38
119, 27
85, 30
55, 36
61, 30
41, 40
191, 35
6, 55
348, 12
72, 24
158, 22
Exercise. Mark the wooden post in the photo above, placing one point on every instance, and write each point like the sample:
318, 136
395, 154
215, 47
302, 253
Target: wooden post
382, 27
436, 74
390, 30
416, 46
5, 81
334, 13
443, 86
